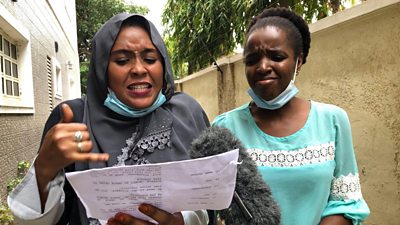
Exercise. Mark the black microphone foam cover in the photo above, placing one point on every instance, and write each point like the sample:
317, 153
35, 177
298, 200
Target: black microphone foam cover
253, 192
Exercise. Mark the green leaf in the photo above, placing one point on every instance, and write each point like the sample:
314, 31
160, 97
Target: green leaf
91, 15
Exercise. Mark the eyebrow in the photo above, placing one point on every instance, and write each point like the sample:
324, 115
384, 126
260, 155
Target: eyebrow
129, 52
267, 51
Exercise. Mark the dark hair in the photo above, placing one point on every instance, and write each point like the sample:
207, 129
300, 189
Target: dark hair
136, 21
294, 25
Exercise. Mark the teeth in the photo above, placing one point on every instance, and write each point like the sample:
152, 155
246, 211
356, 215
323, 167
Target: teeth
139, 86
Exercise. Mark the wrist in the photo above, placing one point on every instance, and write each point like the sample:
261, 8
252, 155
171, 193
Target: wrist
179, 218
43, 174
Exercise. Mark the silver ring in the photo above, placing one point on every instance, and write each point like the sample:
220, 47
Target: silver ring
78, 136
80, 150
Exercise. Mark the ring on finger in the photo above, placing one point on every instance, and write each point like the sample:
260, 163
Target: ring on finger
78, 136
80, 150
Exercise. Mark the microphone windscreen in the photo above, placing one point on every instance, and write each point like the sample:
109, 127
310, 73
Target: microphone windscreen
250, 187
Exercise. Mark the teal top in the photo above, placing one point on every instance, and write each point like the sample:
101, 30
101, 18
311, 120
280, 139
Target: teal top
313, 172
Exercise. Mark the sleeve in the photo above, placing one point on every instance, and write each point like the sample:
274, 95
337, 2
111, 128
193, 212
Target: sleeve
189, 114
24, 200
199, 115
199, 217
345, 195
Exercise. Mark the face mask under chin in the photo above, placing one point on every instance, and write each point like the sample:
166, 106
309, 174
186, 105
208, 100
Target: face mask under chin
113, 103
280, 100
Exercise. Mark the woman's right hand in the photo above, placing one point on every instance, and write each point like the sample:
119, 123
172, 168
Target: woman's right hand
60, 148
159, 216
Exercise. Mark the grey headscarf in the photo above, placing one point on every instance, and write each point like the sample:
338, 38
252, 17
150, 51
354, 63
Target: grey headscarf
109, 131
163, 135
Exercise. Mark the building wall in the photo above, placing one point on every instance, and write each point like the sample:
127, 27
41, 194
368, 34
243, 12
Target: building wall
205, 82
353, 63
48, 21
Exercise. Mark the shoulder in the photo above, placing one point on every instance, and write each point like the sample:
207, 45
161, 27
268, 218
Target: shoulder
180, 99
232, 115
182, 103
330, 111
328, 108
184, 106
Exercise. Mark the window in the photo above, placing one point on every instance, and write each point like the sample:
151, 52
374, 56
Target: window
57, 78
9, 72
16, 84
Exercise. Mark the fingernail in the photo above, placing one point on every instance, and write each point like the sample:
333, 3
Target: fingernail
144, 208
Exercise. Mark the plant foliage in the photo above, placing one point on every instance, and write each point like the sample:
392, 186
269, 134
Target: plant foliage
199, 31
91, 15
6, 218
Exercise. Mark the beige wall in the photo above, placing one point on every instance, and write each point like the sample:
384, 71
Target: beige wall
353, 63
204, 87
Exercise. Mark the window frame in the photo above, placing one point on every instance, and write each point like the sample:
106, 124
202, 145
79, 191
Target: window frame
13, 30
12, 59
57, 78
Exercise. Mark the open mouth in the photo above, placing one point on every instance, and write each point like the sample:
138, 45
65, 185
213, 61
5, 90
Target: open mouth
138, 87
139, 90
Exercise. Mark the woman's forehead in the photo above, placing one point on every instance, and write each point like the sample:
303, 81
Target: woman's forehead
270, 36
133, 36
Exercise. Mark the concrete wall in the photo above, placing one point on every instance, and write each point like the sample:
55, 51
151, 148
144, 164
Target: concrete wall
203, 87
47, 21
354, 63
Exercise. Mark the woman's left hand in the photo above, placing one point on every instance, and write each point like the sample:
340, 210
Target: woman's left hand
159, 215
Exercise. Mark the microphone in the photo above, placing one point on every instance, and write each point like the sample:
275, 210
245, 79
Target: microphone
252, 201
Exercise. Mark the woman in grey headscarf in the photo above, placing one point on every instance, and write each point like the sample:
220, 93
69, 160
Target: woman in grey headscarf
131, 115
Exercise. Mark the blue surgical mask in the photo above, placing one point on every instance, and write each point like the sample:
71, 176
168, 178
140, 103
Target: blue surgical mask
113, 103
280, 100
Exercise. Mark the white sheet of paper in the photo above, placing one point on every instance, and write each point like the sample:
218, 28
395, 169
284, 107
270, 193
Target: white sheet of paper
203, 183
